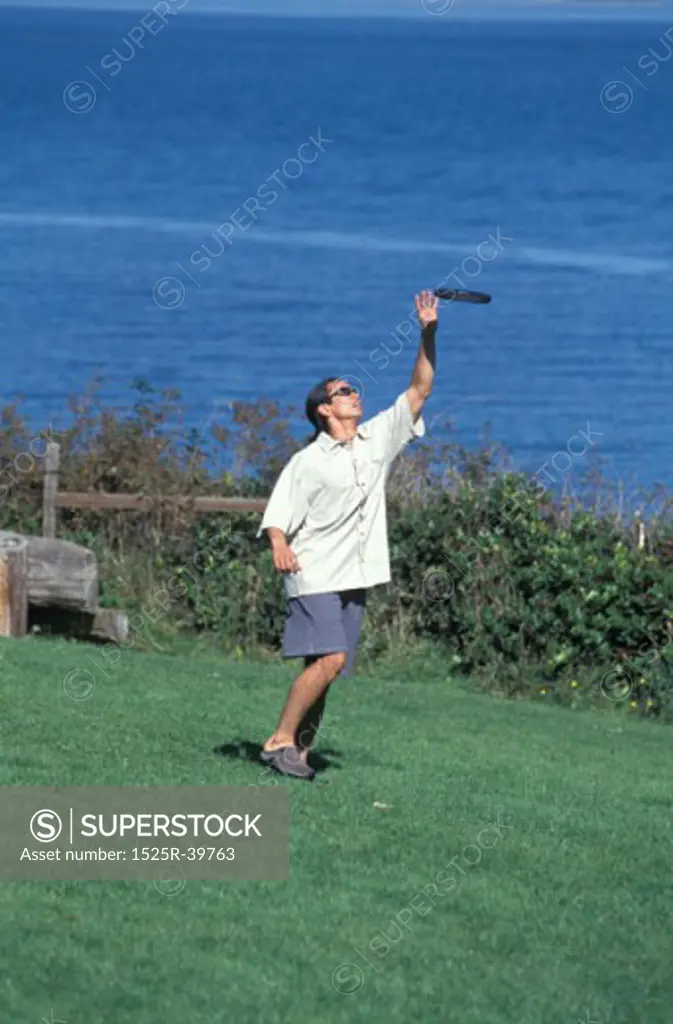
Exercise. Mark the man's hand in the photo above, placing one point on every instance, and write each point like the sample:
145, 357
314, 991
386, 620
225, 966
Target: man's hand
426, 307
284, 558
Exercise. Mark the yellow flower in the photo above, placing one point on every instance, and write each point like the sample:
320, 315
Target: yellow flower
649, 703
543, 691
633, 703
574, 684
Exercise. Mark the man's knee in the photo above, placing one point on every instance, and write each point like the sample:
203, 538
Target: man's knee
334, 663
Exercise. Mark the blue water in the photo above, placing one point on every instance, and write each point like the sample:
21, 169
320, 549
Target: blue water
443, 133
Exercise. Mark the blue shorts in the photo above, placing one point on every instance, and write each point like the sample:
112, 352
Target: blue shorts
324, 624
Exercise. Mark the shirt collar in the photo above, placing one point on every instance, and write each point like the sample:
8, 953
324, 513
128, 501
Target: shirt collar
328, 443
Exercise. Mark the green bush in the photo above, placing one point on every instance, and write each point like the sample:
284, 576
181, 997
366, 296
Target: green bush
509, 584
230, 585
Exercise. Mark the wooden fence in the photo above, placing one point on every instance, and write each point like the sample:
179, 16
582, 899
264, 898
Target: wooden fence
59, 579
54, 499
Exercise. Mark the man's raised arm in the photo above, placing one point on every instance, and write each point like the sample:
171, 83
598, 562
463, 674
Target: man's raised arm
424, 367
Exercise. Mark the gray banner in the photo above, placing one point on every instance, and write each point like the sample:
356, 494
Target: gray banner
164, 834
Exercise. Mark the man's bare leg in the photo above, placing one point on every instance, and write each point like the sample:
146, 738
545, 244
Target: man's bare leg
309, 725
305, 692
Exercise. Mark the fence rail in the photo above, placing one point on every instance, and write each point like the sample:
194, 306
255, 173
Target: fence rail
52, 498
96, 500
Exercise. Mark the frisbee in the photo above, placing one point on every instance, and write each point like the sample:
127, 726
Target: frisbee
455, 295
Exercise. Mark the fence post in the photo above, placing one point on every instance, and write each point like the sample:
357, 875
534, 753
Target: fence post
50, 489
13, 585
641, 534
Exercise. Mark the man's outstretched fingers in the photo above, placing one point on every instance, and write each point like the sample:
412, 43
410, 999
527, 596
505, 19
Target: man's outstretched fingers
426, 306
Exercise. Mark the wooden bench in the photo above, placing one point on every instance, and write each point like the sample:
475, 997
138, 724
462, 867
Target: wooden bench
45, 575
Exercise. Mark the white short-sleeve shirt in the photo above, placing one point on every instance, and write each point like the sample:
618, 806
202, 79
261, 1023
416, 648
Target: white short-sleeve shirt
330, 502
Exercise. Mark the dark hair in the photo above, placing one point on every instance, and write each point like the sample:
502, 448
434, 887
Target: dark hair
317, 396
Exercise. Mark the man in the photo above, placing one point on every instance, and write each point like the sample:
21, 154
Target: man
326, 522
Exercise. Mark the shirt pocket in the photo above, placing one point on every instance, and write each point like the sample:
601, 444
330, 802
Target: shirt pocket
336, 496
374, 472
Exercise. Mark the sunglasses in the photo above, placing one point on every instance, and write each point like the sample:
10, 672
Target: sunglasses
345, 391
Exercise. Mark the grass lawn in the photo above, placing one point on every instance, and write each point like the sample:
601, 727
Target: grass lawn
519, 871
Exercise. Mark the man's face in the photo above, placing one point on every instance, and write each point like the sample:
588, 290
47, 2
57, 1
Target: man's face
343, 406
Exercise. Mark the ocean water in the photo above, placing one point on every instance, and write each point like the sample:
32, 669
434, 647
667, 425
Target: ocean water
394, 150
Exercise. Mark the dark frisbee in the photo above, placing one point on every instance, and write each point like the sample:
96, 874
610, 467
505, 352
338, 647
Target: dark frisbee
456, 295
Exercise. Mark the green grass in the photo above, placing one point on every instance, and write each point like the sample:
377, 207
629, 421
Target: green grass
565, 913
